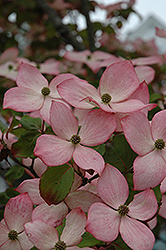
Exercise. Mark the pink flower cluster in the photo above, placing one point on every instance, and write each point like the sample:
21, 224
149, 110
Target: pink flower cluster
120, 104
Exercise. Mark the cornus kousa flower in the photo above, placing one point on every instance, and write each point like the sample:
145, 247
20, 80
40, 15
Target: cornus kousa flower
106, 221
33, 92
45, 237
97, 128
94, 60
148, 141
18, 211
117, 84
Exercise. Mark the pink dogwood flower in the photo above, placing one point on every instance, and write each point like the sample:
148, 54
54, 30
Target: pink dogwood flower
94, 60
33, 92
97, 128
45, 236
162, 211
18, 211
106, 221
148, 141
118, 82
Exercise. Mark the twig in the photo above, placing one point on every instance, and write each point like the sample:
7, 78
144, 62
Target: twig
64, 30
85, 10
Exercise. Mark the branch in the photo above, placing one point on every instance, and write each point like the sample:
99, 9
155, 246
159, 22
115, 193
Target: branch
85, 10
64, 31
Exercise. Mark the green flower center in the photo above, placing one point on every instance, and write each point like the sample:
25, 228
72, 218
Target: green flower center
89, 57
159, 144
60, 245
13, 235
10, 67
45, 91
123, 210
106, 98
75, 139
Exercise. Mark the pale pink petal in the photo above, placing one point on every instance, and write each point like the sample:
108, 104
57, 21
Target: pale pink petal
129, 106
28, 100
149, 60
103, 222
119, 116
50, 214
88, 158
136, 235
141, 93
9, 55
11, 245
51, 68
144, 206
119, 80
162, 211
163, 186
158, 126
74, 56
97, 127
149, 170
152, 223
81, 198
31, 186
24, 241
18, 211
30, 77
45, 109
77, 179
8, 70
75, 91
53, 151
74, 228
160, 32
80, 114
39, 167
145, 73
56, 81
112, 187
137, 131
62, 120
43, 236
3, 234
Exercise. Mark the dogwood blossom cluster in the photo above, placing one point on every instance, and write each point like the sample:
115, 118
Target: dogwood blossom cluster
81, 119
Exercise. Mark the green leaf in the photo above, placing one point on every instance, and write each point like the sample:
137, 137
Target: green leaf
158, 194
5, 196
14, 127
14, 173
155, 97
3, 127
100, 149
26, 143
61, 227
89, 241
55, 183
31, 123
119, 153
119, 244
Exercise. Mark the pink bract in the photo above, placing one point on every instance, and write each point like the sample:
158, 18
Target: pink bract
106, 221
97, 128
18, 211
45, 236
33, 92
148, 141
118, 82
94, 60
